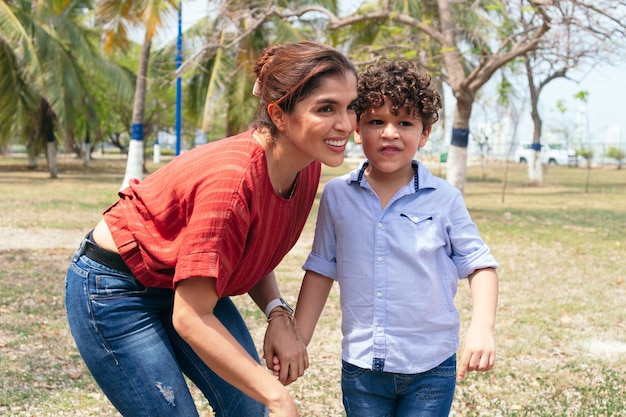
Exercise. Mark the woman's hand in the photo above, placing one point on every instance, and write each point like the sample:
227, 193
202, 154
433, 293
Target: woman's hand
283, 349
193, 318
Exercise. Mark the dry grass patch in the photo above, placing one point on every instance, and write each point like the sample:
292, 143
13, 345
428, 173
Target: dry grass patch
561, 320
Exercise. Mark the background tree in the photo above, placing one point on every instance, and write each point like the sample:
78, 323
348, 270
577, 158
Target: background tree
48, 58
617, 154
587, 155
118, 18
583, 36
475, 40
220, 75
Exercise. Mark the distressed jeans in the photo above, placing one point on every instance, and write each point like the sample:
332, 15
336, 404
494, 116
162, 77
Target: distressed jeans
384, 394
125, 335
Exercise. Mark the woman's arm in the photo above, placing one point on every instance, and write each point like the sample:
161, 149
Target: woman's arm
193, 319
265, 291
479, 349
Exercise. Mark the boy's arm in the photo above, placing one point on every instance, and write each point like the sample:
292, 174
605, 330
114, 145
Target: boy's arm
311, 301
479, 349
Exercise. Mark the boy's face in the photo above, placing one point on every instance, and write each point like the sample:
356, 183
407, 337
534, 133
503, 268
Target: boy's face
391, 141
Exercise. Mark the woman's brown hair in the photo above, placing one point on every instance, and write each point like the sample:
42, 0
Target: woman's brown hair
287, 73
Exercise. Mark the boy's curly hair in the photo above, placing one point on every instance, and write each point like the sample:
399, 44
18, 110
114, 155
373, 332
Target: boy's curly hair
403, 85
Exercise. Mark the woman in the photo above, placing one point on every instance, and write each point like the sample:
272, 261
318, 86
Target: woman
147, 293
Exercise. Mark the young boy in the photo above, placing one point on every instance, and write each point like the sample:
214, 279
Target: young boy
398, 239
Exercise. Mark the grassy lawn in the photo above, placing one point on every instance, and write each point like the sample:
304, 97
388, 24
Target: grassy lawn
561, 328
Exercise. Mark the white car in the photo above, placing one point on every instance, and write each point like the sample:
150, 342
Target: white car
555, 154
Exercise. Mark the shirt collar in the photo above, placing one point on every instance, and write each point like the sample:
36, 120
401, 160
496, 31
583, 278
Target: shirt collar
422, 178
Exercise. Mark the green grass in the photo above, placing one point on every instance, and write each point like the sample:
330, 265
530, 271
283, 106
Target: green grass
561, 320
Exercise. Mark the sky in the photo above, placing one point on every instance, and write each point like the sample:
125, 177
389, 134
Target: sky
605, 110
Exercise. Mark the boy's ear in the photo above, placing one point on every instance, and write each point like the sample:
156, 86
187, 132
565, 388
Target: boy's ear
278, 116
357, 136
425, 136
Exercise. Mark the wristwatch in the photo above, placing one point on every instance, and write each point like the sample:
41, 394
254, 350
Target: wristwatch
277, 302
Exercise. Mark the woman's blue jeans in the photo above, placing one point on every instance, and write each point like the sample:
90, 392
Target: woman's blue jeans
124, 334
383, 394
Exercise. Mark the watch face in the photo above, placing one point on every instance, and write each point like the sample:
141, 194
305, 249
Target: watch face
286, 306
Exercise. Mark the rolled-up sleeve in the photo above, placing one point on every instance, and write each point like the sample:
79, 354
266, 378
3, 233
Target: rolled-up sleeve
468, 251
322, 258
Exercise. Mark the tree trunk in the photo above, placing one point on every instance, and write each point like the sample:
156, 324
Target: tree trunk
456, 167
456, 173
134, 163
31, 152
52, 156
86, 152
535, 168
87, 149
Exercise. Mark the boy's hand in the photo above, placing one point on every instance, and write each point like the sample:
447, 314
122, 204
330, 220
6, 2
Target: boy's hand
479, 350
276, 366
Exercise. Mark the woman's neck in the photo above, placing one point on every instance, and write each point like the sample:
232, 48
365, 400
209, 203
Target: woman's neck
280, 164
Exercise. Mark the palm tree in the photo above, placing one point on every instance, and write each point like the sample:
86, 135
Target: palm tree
118, 17
223, 76
47, 59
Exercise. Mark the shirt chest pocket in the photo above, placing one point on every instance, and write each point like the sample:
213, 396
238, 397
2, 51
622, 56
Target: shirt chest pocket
417, 218
417, 233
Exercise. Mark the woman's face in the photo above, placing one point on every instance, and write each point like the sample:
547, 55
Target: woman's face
321, 124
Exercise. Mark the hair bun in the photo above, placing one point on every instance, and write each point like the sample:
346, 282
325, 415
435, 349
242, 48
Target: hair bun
266, 58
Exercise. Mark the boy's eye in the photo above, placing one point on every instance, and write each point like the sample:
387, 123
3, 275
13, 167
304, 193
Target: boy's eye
376, 122
326, 109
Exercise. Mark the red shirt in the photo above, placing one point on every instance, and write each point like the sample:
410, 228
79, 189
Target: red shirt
211, 212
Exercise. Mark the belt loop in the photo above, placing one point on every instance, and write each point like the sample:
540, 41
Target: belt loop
83, 244
81, 249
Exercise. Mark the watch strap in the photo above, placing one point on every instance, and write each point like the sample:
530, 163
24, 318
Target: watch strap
277, 302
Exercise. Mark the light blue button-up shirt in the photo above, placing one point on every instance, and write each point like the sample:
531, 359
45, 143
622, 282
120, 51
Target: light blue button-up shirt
398, 268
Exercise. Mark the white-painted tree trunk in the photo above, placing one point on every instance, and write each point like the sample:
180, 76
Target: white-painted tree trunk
32, 160
535, 170
156, 155
52, 159
87, 153
134, 164
456, 166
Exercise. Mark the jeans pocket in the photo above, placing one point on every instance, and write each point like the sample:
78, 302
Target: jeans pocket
351, 372
446, 369
111, 286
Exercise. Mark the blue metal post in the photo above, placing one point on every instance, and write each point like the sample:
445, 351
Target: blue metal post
179, 61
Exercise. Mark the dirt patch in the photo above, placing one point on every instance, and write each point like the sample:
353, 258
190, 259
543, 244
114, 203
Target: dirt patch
39, 238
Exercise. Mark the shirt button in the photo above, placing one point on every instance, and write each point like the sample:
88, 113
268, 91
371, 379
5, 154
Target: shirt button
379, 225
379, 329
379, 259
379, 294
